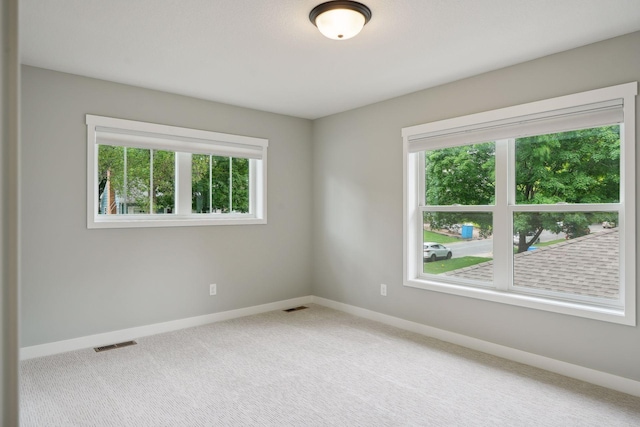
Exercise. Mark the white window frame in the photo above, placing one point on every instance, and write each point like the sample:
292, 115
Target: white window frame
184, 142
490, 123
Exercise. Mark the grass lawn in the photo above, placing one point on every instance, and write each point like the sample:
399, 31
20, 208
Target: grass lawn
452, 264
542, 244
430, 236
549, 243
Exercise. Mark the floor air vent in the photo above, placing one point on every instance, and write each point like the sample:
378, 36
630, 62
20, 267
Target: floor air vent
112, 346
289, 310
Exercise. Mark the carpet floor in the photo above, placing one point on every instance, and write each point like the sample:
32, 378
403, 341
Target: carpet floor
313, 367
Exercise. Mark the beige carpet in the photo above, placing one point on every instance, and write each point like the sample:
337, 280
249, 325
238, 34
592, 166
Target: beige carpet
313, 367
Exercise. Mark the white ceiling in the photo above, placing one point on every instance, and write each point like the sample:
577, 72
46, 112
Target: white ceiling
266, 54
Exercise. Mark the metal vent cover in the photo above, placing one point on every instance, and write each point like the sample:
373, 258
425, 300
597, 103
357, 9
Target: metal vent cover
289, 310
114, 346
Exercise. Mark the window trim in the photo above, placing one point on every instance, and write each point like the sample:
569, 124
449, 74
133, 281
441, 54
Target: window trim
413, 190
193, 141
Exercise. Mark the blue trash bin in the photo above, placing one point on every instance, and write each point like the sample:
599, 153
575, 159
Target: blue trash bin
467, 231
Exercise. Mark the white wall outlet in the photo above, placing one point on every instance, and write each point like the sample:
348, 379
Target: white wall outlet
383, 290
213, 289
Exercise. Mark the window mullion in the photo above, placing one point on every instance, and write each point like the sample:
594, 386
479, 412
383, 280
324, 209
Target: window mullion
126, 182
183, 183
412, 242
421, 179
230, 184
252, 186
210, 186
511, 205
151, 192
502, 246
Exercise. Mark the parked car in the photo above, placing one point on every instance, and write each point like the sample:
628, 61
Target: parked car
608, 224
434, 251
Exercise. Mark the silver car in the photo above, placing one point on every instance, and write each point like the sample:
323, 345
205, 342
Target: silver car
434, 251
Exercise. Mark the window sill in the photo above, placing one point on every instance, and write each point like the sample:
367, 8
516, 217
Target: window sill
144, 221
606, 314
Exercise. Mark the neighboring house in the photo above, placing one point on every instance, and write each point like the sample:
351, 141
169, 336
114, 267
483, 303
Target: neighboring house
108, 198
587, 265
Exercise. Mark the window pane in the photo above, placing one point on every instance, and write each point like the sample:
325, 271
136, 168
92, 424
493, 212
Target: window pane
164, 187
581, 166
458, 244
138, 161
127, 193
200, 183
573, 253
110, 179
460, 175
219, 184
240, 185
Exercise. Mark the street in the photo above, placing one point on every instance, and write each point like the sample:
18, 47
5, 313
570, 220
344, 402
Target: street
463, 248
484, 247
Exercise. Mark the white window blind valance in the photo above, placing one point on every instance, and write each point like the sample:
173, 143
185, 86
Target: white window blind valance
127, 133
174, 143
561, 120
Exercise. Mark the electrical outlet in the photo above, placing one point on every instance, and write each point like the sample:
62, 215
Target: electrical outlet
213, 289
383, 290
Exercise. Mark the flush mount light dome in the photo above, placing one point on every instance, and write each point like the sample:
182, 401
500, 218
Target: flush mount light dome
340, 20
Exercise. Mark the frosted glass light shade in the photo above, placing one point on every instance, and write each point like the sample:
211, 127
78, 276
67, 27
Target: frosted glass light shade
340, 19
340, 24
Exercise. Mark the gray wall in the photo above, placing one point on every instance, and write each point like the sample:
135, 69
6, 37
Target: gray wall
357, 224
78, 282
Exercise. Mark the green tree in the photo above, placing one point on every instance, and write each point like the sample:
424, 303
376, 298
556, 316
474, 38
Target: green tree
164, 171
240, 185
110, 170
138, 178
200, 183
128, 172
581, 166
227, 174
461, 176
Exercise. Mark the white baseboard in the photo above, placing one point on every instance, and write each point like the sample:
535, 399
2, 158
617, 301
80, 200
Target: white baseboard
107, 338
603, 379
592, 376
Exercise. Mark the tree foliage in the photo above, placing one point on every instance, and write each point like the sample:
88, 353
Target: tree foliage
460, 176
164, 180
580, 166
130, 172
211, 178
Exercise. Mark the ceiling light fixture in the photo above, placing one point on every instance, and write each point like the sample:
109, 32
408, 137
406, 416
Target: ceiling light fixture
340, 20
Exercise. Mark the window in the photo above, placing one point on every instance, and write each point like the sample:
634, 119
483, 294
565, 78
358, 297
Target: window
532, 205
149, 175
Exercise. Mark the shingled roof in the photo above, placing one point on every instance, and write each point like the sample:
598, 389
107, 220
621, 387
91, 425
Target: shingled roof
587, 265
